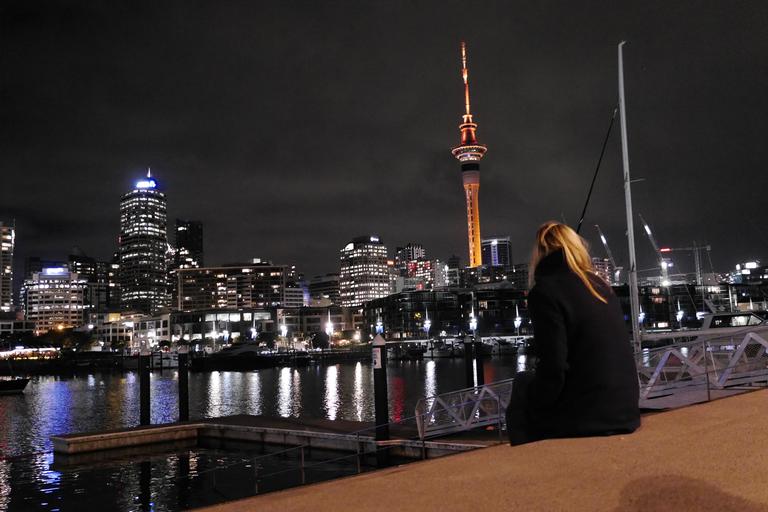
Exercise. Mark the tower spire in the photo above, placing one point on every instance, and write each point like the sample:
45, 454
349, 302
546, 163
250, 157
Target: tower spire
465, 76
469, 152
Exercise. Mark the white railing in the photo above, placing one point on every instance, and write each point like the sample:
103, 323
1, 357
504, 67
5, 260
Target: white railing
711, 359
464, 409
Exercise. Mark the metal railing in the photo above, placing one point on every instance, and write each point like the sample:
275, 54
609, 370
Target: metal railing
464, 409
711, 361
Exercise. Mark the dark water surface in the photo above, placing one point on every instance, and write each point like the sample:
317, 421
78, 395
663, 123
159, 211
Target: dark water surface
180, 479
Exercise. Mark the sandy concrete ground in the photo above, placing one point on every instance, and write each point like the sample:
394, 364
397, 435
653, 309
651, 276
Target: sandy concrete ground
707, 457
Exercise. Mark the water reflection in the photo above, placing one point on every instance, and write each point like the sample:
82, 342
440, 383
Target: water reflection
253, 398
357, 397
332, 391
284, 398
430, 383
61, 405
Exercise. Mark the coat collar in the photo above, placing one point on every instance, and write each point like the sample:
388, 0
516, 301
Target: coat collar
552, 263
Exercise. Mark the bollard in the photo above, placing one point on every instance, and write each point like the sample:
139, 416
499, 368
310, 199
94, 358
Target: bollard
469, 363
183, 383
381, 401
144, 357
479, 364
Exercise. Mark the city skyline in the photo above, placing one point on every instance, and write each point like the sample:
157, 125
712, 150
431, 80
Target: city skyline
545, 104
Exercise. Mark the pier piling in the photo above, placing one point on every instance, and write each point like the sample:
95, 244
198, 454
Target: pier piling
380, 388
479, 364
469, 363
144, 358
183, 384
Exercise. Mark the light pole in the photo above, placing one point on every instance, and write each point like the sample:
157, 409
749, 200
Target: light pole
518, 320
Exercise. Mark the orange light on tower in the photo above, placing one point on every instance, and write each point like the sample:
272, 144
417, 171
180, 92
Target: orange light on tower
469, 153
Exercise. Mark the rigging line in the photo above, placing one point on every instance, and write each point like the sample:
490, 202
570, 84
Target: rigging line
597, 169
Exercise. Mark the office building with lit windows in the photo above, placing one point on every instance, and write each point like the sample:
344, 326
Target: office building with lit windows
55, 299
235, 286
7, 241
364, 273
497, 252
143, 245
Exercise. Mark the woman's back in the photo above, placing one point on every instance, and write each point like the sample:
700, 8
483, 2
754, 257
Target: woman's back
586, 380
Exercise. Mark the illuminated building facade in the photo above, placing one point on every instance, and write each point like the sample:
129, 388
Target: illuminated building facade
250, 285
325, 288
7, 242
55, 299
142, 247
364, 273
469, 153
189, 244
604, 269
497, 252
187, 252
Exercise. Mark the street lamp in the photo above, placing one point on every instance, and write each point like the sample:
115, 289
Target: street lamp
427, 322
473, 322
329, 326
379, 326
680, 314
518, 320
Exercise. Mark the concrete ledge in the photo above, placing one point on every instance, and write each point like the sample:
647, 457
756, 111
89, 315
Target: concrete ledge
709, 457
76, 444
82, 443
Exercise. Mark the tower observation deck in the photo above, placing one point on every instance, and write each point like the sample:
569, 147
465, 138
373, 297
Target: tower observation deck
469, 153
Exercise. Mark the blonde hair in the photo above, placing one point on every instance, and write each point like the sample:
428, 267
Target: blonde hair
553, 236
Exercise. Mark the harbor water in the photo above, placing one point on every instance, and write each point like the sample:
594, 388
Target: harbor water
101, 401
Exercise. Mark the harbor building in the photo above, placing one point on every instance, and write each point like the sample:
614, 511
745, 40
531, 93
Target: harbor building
469, 153
245, 285
364, 273
55, 299
7, 242
142, 246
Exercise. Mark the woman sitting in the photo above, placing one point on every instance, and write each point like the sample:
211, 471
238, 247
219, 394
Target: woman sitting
585, 383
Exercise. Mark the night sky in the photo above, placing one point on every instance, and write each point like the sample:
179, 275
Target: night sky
289, 128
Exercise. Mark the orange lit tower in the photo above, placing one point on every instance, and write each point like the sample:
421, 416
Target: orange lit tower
469, 153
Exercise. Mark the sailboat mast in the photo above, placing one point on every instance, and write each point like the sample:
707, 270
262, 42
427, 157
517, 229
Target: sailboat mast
634, 298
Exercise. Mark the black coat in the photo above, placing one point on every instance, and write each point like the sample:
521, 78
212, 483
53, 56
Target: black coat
586, 380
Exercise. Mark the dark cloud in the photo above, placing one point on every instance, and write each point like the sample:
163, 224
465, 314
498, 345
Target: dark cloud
290, 127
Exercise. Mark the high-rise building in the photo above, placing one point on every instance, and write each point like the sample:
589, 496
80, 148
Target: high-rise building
187, 252
410, 252
604, 269
142, 247
497, 252
55, 299
325, 287
364, 273
469, 153
189, 244
235, 286
7, 243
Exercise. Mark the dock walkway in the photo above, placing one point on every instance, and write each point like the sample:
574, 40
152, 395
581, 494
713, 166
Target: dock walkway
706, 457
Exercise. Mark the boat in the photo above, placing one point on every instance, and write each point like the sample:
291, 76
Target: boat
13, 386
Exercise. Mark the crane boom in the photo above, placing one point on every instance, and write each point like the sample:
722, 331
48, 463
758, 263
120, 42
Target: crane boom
605, 244
663, 262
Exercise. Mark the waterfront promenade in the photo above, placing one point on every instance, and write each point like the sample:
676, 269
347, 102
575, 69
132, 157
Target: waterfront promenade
706, 457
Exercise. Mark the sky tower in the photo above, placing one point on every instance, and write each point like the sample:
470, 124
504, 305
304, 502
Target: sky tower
469, 153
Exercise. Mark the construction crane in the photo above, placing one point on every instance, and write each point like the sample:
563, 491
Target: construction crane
664, 263
696, 250
616, 269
